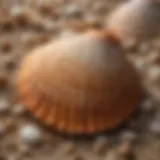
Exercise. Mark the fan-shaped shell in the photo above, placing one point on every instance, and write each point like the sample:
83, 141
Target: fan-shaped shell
81, 85
136, 20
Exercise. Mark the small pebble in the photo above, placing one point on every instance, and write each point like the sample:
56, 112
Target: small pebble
155, 125
154, 58
144, 48
140, 65
4, 105
24, 16
154, 73
131, 45
100, 146
69, 148
130, 136
50, 27
66, 34
30, 134
113, 155
147, 105
73, 11
19, 15
24, 150
126, 149
18, 109
16, 10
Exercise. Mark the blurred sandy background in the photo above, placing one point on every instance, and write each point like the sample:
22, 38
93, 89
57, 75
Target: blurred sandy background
25, 24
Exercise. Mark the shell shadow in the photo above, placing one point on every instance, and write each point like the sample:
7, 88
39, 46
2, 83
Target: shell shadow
107, 133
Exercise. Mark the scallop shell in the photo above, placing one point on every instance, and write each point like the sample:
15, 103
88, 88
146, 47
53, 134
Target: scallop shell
81, 85
136, 20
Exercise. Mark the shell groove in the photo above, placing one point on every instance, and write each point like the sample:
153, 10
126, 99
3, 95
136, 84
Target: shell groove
79, 86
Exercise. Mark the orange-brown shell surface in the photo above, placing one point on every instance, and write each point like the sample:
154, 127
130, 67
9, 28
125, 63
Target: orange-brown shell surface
81, 85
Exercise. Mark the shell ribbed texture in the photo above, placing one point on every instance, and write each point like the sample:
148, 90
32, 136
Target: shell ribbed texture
79, 86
